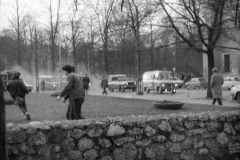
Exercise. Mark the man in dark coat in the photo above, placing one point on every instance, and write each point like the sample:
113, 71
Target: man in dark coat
86, 81
73, 88
216, 86
104, 84
18, 90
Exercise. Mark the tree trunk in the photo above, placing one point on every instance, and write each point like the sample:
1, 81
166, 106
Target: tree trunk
53, 57
2, 123
210, 54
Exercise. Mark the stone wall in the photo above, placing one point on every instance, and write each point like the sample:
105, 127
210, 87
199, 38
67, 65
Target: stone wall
210, 136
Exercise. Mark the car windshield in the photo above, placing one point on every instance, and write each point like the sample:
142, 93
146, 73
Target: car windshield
122, 78
201, 80
165, 76
174, 78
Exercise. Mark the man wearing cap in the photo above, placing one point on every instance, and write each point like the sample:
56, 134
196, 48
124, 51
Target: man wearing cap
216, 86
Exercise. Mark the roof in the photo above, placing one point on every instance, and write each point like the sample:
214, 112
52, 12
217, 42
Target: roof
117, 75
45, 76
157, 71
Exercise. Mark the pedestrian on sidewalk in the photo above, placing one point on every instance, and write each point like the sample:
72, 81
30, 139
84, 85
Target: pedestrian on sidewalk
216, 86
18, 91
104, 85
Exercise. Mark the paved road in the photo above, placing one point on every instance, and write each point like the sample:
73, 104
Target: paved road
197, 96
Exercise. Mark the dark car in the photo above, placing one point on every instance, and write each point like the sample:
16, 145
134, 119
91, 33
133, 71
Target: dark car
196, 83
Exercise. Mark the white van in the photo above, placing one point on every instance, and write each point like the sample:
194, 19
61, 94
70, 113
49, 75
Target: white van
160, 81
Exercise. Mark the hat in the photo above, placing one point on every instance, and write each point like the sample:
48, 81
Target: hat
214, 69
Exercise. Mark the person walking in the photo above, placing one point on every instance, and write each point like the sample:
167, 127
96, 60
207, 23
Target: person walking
86, 81
18, 91
74, 89
104, 84
216, 86
43, 85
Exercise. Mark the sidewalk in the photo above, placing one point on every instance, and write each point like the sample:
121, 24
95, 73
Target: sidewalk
182, 95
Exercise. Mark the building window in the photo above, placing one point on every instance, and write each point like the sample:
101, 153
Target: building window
227, 63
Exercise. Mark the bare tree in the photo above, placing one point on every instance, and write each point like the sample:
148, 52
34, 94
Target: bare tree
54, 17
28, 38
75, 18
204, 18
16, 24
103, 11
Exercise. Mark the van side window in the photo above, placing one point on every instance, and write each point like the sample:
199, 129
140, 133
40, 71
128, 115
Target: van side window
114, 78
161, 77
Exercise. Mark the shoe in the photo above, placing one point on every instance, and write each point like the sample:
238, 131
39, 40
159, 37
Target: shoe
28, 117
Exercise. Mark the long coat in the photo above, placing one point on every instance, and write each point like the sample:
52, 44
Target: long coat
216, 85
104, 83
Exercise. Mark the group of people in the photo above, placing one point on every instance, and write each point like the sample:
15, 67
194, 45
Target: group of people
75, 90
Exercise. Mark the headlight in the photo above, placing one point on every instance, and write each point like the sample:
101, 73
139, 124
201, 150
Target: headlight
54, 85
89, 84
175, 85
163, 85
135, 82
126, 83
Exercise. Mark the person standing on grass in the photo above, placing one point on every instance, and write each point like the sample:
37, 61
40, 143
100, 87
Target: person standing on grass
73, 88
104, 85
216, 86
18, 91
86, 81
69, 113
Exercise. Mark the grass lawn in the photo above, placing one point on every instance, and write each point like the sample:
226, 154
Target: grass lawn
42, 106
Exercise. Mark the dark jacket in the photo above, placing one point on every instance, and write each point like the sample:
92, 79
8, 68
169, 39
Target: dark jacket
104, 83
74, 87
86, 80
17, 88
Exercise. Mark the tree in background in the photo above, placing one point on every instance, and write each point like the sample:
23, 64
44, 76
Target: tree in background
202, 17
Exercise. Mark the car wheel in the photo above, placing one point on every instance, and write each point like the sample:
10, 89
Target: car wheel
238, 97
110, 89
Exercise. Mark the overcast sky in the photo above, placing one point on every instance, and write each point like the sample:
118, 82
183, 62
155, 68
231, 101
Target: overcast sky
37, 8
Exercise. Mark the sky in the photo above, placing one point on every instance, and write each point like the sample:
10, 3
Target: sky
37, 8
7, 9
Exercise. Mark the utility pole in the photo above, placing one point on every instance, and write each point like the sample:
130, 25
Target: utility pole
152, 59
36, 62
88, 62
138, 71
60, 60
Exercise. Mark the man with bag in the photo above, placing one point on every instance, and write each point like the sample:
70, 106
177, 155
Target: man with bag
18, 91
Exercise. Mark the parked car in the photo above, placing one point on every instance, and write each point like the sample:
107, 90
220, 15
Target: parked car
235, 92
196, 83
230, 81
120, 82
178, 81
29, 87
